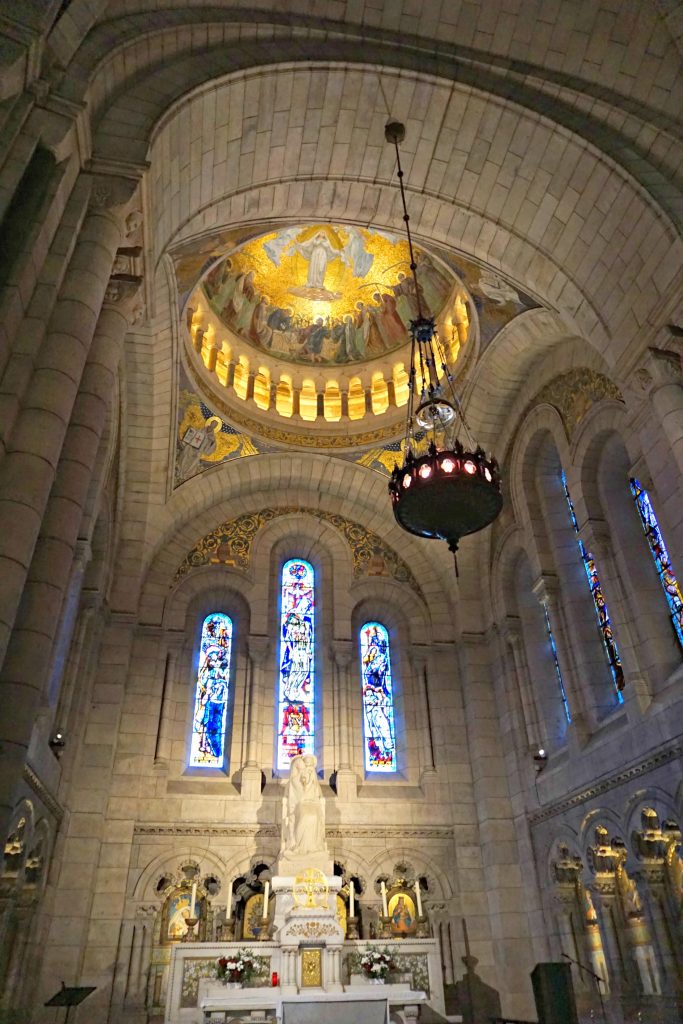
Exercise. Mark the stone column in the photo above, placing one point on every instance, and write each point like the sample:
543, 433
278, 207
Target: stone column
420, 695
653, 875
59, 496
660, 378
605, 901
334, 960
29, 467
581, 703
258, 649
512, 638
164, 741
347, 782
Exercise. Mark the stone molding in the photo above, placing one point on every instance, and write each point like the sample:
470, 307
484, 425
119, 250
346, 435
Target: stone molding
271, 831
663, 756
43, 793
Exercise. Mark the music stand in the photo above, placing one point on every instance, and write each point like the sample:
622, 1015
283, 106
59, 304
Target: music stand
70, 997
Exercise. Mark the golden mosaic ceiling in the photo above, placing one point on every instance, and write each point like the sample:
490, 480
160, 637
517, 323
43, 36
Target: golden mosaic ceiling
324, 293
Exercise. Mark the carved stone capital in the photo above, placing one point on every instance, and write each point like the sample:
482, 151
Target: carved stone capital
342, 652
511, 631
546, 589
418, 657
258, 648
595, 533
659, 368
113, 192
123, 293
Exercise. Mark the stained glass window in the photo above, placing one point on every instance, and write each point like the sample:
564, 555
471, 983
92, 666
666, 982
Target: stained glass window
378, 699
296, 721
665, 571
599, 603
558, 670
211, 696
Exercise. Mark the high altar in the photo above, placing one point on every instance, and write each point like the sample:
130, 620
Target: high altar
310, 969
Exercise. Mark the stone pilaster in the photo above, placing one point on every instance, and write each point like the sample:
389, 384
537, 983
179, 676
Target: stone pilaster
258, 650
347, 782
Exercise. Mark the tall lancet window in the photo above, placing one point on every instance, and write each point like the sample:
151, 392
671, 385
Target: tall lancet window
207, 748
296, 703
599, 602
667, 577
378, 699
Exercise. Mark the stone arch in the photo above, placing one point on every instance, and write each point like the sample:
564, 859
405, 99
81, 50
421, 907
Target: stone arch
342, 488
169, 860
424, 864
203, 585
604, 454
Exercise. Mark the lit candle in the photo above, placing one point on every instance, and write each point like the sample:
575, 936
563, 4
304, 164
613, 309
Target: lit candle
418, 897
266, 892
229, 917
385, 909
194, 899
351, 901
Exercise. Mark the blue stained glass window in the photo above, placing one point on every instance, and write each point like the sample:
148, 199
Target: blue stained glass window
599, 603
296, 702
665, 571
558, 670
378, 699
207, 749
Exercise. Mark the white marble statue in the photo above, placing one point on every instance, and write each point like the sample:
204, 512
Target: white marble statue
303, 819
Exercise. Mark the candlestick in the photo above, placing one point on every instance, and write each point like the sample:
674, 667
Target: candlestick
266, 891
385, 910
418, 897
351, 900
193, 901
229, 917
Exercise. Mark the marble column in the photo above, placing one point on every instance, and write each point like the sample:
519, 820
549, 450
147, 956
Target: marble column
54, 450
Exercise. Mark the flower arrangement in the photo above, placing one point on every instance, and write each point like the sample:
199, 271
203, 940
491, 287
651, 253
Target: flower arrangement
377, 963
238, 967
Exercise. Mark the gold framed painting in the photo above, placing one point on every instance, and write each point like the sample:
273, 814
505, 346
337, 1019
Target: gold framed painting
402, 912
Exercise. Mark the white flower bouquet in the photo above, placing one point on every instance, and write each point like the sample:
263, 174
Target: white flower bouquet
377, 963
237, 967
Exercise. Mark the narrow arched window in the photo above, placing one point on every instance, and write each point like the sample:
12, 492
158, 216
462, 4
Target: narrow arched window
667, 577
296, 699
378, 699
212, 693
599, 603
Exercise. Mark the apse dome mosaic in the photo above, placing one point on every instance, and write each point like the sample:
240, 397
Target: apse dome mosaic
324, 293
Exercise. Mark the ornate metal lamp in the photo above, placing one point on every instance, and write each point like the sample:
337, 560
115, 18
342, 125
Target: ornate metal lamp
445, 489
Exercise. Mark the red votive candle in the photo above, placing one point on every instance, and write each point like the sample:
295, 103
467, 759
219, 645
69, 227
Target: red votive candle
274, 979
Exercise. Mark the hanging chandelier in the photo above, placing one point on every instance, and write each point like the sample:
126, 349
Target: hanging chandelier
445, 488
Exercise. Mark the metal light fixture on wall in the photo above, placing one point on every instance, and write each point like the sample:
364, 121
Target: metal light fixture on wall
445, 488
